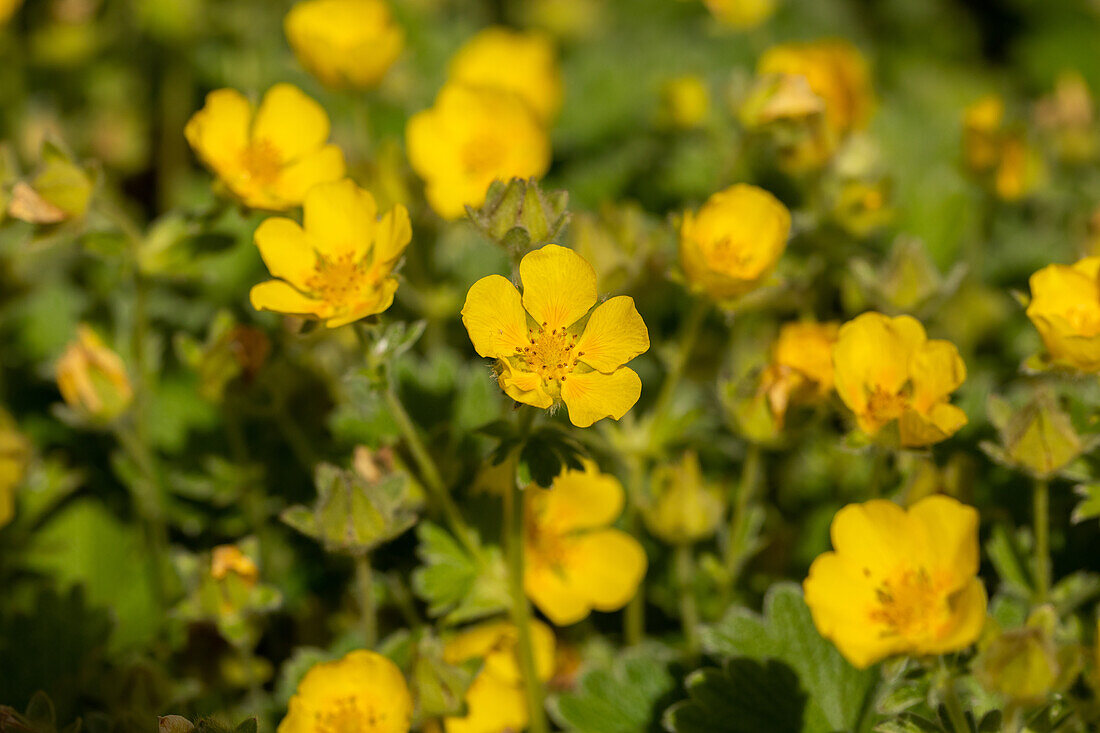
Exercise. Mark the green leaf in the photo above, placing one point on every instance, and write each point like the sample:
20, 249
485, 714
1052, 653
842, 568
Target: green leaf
622, 698
746, 696
1009, 560
1089, 506
455, 584
837, 690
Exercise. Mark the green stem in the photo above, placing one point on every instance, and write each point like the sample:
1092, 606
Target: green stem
951, 701
368, 616
634, 616
879, 460
689, 613
521, 610
147, 501
1041, 518
746, 492
676, 370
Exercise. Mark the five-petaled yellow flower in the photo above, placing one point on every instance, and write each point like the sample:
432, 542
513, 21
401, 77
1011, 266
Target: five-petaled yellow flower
898, 581
338, 267
525, 64
92, 378
886, 370
734, 241
345, 43
495, 701
470, 137
1065, 308
269, 158
575, 562
551, 346
362, 692
801, 368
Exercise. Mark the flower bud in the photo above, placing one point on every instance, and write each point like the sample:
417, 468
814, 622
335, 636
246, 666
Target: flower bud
1038, 439
92, 379
685, 508
908, 281
519, 216
1025, 664
801, 369
59, 191
1065, 309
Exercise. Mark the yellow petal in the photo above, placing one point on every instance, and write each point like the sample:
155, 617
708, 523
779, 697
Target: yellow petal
278, 296
341, 218
286, 251
219, 131
941, 422
318, 166
605, 566
559, 286
492, 706
595, 395
551, 592
873, 352
936, 370
382, 300
969, 615
526, 387
392, 235
577, 500
878, 537
494, 317
292, 122
371, 683
953, 528
614, 334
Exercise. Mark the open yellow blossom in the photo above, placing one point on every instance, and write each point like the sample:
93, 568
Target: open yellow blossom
686, 508
525, 64
8, 8
92, 379
801, 368
886, 370
268, 158
734, 241
362, 692
899, 581
575, 562
685, 102
1065, 308
551, 346
495, 701
338, 267
836, 72
741, 14
470, 137
344, 43
14, 454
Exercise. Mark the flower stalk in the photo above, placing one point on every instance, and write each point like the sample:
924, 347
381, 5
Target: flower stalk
1041, 519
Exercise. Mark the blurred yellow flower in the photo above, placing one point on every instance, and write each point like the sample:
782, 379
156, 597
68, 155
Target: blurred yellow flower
546, 352
525, 64
1067, 116
886, 370
363, 692
1020, 170
899, 581
92, 379
999, 156
836, 72
574, 561
8, 8
685, 102
685, 508
14, 455
226, 559
344, 43
1065, 308
471, 137
734, 241
741, 14
338, 267
801, 368
982, 122
268, 159
496, 702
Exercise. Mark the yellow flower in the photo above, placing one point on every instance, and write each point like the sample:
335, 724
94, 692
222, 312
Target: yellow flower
1065, 308
741, 14
8, 8
686, 508
734, 241
836, 72
344, 43
575, 562
14, 454
338, 267
226, 559
495, 701
548, 346
982, 122
801, 367
886, 369
899, 581
525, 64
999, 156
92, 378
471, 137
685, 102
268, 159
1020, 170
362, 692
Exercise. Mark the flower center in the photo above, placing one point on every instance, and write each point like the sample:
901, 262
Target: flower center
482, 153
338, 280
910, 605
347, 715
261, 161
732, 257
551, 353
886, 406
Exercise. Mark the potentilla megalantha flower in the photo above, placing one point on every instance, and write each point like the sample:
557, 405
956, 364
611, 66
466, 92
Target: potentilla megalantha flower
269, 158
344, 43
574, 561
551, 346
338, 267
899, 581
1065, 308
362, 692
